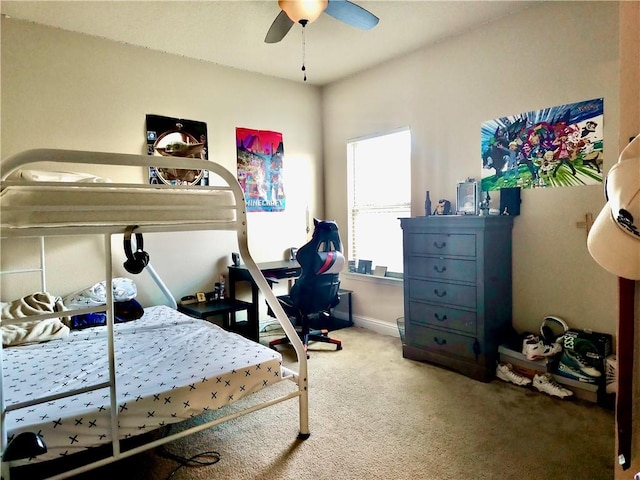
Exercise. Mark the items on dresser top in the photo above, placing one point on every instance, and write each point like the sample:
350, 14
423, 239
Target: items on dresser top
457, 290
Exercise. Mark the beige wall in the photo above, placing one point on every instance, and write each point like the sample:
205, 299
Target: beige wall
65, 90
551, 54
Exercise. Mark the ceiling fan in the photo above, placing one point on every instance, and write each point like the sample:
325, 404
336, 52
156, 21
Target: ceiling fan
307, 11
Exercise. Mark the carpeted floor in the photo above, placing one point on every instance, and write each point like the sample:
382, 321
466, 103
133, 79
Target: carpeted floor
376, 415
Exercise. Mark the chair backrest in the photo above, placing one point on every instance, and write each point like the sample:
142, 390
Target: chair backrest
321, 261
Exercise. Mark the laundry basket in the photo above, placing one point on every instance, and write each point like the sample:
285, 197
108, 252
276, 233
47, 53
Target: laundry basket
400, 322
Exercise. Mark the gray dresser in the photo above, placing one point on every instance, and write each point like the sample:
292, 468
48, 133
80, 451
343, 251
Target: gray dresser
457, 290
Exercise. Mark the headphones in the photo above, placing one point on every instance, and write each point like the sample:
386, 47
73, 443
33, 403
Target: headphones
550, 335
136, 261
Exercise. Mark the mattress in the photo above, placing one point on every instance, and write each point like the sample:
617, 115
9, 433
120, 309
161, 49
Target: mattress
31, 205
169, 367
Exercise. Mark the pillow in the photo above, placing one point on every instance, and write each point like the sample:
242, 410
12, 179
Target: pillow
124, 289
34, 331
53, 176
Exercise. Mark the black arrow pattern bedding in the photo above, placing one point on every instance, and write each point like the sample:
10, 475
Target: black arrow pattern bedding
169, 367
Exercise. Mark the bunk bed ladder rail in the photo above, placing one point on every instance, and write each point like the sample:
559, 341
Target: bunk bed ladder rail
302, 379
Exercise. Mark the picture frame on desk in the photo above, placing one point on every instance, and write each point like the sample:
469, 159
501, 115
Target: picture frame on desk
201, 297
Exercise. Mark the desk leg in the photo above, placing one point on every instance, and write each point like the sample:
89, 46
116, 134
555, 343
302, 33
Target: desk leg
253, 314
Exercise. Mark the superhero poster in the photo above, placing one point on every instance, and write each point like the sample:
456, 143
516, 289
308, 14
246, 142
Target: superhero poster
554, 147
260, 154
176, 137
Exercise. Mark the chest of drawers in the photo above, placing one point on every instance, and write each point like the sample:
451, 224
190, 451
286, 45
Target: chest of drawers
457, 290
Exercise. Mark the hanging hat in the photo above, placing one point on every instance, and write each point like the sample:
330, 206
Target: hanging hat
614, 238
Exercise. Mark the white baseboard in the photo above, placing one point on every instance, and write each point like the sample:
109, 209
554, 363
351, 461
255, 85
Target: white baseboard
376, 325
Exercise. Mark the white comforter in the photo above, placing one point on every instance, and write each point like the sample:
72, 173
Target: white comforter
169, 367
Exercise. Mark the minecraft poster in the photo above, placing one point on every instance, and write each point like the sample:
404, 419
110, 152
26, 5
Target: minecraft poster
260, 154
554, 147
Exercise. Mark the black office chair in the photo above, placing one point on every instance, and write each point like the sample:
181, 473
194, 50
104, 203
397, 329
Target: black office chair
315, 292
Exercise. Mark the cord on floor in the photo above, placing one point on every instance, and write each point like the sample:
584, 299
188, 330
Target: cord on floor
193, 461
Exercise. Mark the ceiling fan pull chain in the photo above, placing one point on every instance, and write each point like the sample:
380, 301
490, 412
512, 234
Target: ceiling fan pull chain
304, 42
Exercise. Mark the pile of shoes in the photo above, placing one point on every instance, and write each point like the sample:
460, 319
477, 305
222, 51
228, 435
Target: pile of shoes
543, 382
560, 353
534, 348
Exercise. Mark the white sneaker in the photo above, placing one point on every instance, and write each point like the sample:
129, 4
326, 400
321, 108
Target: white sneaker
505, 372
610, 367
544, 382
534, 349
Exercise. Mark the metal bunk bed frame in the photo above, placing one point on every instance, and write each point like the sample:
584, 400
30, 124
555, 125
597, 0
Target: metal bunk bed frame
239, 225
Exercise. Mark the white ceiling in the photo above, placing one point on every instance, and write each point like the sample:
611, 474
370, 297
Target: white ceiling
232, 33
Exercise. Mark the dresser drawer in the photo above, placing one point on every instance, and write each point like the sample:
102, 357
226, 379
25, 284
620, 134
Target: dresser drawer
442, 268
443, 317
439, 341
438, 292
442, 244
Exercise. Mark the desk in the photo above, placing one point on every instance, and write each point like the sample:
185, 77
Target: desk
279, 270
225, 307
271, 270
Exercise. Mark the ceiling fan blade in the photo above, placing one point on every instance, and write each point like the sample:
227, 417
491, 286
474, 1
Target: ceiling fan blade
279, 28
351, 14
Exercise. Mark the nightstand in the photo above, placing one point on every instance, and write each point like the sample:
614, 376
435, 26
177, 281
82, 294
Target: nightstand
224, 307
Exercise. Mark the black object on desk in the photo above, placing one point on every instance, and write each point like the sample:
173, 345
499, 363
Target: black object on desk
227, 308
278, 270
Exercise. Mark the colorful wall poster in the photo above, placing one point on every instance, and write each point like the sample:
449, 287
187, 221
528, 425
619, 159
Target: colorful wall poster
260, 155
177, 137
554, 147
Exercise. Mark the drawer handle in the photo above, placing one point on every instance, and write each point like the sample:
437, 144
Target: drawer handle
444, 317
438, 294
439, 341
439, 245
439, 269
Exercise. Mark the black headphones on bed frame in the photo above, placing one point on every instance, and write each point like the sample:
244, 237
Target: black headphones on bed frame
136, 261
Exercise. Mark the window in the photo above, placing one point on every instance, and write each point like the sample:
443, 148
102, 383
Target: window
379, 182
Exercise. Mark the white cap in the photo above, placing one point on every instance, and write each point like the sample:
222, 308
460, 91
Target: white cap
614, 238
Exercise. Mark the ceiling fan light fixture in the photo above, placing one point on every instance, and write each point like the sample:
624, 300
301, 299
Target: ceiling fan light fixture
303, 10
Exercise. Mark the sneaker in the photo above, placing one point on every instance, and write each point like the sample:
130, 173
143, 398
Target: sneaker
570, 372
505, 372
578, 363
610, 366
544, 382
534, 349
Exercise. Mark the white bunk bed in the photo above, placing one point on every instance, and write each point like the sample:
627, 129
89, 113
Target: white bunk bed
111, 398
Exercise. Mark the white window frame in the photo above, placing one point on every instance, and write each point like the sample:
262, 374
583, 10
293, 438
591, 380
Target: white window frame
387, 241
